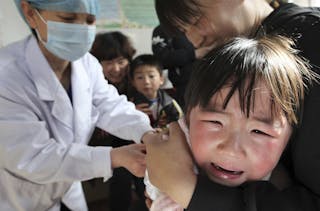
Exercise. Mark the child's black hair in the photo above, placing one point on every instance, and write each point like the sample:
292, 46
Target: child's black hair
241, 64
145, 59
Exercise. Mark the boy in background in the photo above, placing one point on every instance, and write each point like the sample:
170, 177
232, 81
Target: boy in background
146, 77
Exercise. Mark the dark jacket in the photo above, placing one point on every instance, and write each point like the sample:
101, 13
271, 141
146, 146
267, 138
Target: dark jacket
167, 107
302, 158
177, 55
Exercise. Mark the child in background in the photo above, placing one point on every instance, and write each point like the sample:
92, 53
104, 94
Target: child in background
242, 105
146, 77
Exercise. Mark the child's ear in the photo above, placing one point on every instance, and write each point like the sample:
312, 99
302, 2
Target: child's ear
133, 84
131, 81
162, 79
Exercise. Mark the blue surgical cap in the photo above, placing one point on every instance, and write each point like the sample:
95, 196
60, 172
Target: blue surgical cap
73, 6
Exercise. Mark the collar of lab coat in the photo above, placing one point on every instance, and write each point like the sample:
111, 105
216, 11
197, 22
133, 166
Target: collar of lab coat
42, 75
50, 89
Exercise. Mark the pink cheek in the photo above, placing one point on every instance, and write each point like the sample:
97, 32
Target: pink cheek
199, 148
261, 169
265, 160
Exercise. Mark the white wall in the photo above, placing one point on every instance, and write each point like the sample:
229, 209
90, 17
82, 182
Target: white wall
12, 26
141, 39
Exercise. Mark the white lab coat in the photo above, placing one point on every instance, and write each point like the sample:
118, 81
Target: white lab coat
43, 136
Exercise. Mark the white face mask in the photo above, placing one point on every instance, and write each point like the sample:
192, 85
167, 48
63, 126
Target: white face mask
68, 41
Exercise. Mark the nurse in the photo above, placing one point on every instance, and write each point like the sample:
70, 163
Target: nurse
52, 95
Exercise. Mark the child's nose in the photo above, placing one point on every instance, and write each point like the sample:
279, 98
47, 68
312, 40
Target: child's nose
146, 80
232, 145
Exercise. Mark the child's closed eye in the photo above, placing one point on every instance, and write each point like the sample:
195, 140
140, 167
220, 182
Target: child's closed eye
259, 132
215, 122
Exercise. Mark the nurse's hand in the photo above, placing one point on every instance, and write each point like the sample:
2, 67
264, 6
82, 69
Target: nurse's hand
170, 165
131, 157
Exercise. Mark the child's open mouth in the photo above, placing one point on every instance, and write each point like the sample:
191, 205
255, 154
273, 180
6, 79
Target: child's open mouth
225, 173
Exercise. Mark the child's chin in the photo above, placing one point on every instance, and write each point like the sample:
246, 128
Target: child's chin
226, 182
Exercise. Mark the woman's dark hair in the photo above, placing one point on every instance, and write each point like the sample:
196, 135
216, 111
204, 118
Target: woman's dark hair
142, 60
241, 64
110, 45
172, 14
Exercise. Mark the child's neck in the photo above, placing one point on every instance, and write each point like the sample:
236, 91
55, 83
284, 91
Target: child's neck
155, 100
153, 97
